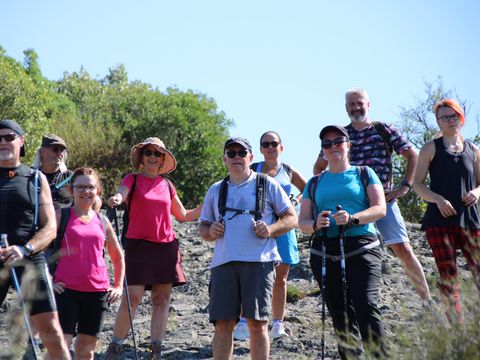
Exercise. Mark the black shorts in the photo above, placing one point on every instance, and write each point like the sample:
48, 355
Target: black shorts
82, 312
34, 281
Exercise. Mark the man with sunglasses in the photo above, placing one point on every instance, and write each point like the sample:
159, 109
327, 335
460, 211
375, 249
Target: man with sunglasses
242, 268
372, 144
20, 207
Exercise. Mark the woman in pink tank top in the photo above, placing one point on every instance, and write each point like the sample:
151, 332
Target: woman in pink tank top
82, 284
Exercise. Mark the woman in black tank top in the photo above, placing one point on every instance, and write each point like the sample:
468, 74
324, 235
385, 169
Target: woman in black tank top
452, 219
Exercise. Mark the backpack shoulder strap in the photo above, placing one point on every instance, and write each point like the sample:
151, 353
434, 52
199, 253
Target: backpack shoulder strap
364, 177
169, 183
260, 195
222, 197
289, 171
381, 128
62, 226
103, 220
312, 188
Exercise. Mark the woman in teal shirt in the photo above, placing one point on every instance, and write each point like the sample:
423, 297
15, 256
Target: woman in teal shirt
360, 194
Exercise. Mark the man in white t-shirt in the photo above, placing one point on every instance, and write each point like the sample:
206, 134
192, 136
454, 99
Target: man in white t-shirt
242, 268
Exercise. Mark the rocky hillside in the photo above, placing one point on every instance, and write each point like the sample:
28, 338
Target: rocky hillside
190, 334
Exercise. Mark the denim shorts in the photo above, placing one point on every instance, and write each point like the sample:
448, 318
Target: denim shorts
392, 227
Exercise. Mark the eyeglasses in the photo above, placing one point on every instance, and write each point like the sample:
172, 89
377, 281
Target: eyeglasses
447, 118
241, 153
8, 137
266, 144
327, 144
57, 149
148, 152
83, 188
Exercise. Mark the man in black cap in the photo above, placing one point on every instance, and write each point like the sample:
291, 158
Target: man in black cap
242, 268
28, 221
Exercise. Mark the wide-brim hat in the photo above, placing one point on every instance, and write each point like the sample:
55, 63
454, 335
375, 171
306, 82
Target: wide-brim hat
169, 163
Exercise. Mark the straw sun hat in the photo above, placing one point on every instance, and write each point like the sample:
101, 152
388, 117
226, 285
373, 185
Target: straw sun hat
169, 163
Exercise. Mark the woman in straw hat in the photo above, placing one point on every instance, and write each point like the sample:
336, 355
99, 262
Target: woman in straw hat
151, 249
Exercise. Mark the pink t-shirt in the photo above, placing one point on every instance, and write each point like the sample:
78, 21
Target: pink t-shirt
81, 265
150, 210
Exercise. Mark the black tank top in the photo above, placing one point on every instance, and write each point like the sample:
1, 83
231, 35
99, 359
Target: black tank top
17, 204
452, 176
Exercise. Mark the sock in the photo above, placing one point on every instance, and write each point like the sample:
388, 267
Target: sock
243, 320
117, 340
277, 321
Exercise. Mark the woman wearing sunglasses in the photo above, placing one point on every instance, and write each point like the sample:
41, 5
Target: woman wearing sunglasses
452, 219
82, 284
271, 148
152, 252
362, 203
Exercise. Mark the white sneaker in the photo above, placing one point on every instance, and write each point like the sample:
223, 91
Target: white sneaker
241, 331
278, 330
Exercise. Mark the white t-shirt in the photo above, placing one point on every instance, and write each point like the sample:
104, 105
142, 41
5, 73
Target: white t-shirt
239, 242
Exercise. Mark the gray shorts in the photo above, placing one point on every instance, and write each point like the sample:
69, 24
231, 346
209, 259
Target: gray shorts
238, 284
392, 227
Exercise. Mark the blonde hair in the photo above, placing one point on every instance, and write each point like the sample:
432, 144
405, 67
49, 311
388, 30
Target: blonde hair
37, 161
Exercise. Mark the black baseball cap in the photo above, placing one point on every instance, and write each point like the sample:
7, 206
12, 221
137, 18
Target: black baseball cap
16, 128
336, 128
240, 141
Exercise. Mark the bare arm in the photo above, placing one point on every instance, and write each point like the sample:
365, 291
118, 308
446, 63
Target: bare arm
210, 231
299, 181
412, 160
471, 198
286, 222
182, 214
116, 254
320, 165
119, 197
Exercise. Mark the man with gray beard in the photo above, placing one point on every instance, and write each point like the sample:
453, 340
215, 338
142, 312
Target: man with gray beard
373, 144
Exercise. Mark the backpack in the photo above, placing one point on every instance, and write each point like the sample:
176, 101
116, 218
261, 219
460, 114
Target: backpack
260, 198
288, 169
62, 226
312, 185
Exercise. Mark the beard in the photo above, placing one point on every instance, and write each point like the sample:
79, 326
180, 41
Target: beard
357, 116
6, 155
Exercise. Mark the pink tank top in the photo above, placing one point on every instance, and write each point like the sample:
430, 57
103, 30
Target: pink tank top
81, 265
150, 210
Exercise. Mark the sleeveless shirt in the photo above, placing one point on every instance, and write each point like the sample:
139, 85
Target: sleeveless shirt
452, 176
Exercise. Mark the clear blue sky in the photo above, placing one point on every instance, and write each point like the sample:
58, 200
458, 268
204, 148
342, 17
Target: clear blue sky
269, 64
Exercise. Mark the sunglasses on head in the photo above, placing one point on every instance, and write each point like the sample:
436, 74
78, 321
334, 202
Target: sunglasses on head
231, 154
8, 137
327, 144
266, 144
148, 152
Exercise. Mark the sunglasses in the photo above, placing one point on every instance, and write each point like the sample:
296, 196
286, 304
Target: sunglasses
242, 153
83, 188
57, 149
8, 137
447, 118
327, 144
266, 144
148, 152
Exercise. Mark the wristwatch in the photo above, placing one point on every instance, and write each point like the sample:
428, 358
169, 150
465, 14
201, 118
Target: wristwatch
406, 183
355, 221
26, 249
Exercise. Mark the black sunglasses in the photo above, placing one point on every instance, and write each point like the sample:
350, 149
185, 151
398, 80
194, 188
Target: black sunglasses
242, 153
327, 144
148, 152
57, 149
8, 137
266, 144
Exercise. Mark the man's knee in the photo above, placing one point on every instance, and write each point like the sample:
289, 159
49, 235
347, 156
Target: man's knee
225, 326
257, 326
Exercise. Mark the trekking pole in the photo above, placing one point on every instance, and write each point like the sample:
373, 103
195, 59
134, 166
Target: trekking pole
341, 233
18, 289
113, 214
324, 279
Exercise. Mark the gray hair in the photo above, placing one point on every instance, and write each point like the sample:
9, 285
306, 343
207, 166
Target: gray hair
356, 91
37, 161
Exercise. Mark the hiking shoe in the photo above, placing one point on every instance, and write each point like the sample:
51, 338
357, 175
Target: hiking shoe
278, 330
113, 351
241, 331
156, 351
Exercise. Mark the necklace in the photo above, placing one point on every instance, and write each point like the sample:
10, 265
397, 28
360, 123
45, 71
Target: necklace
454, 149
